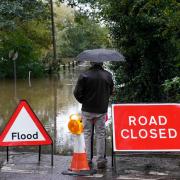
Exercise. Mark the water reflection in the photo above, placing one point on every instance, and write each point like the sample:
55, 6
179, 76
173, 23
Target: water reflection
51, 99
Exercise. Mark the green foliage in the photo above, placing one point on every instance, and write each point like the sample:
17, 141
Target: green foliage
24, 27
171, 90
83, 34
14, 12
147, 33
27, 56
144, 31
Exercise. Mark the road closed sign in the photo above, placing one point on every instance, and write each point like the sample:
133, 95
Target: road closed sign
146, 127
24, 128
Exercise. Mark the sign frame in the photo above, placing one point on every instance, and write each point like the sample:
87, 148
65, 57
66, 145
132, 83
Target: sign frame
48, 140
115, 151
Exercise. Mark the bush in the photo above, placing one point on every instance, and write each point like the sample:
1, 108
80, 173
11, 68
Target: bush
27, 60
171, 90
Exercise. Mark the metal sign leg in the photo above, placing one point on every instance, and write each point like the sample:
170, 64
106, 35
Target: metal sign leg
7, 153
112, 153
39, 153
52, 153
113, 158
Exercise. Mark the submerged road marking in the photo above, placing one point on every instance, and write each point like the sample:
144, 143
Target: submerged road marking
135, 178
96, 176
8, 169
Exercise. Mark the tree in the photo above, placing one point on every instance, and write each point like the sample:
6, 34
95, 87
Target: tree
15, 12
146, 32
76, 32
29, 51
83, 34
23, 28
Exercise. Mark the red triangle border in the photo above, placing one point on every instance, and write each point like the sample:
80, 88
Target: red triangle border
24, 103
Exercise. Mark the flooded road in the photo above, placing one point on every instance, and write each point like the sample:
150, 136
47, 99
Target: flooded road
52, 101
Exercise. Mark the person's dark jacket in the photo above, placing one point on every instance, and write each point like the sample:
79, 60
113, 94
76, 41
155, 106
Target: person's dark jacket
93, 90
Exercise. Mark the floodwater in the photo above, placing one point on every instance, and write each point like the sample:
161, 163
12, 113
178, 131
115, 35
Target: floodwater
50, 98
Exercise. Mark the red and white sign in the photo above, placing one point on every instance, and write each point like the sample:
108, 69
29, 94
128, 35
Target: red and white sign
24, 129
146, 127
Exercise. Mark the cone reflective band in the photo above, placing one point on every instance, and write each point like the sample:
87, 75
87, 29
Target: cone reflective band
79, 161
75, 124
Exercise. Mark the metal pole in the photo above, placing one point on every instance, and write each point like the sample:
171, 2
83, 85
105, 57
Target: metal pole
52, 153
39, 153
55, 81
7, 153
54, 65
112, 152
29, 78
53, 34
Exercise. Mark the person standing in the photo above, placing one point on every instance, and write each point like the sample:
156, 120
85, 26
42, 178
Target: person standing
93, 90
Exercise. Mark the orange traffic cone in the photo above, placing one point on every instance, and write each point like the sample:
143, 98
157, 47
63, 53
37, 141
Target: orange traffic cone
79, 160
79, 164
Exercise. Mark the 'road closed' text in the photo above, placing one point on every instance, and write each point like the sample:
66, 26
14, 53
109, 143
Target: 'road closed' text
144, 130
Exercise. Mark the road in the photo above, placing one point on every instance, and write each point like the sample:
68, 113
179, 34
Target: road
25, 166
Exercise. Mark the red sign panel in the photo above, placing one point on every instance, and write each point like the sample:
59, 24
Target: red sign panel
24, 128
146, 127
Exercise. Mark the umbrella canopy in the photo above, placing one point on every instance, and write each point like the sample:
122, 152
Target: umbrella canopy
100, 55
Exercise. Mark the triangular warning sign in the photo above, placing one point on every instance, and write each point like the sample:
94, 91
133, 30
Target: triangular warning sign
24, 128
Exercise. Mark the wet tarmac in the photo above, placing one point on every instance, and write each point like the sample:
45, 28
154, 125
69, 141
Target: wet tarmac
25, 166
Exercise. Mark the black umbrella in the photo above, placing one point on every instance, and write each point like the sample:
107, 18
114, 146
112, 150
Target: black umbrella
100, 55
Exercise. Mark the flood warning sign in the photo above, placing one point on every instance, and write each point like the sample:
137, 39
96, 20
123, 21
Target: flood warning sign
146, 127
24, 128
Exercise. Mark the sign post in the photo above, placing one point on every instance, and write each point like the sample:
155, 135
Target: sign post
14, 55
25, 129
146, 127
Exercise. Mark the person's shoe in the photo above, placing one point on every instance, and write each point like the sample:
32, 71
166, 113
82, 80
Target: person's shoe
101, 165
